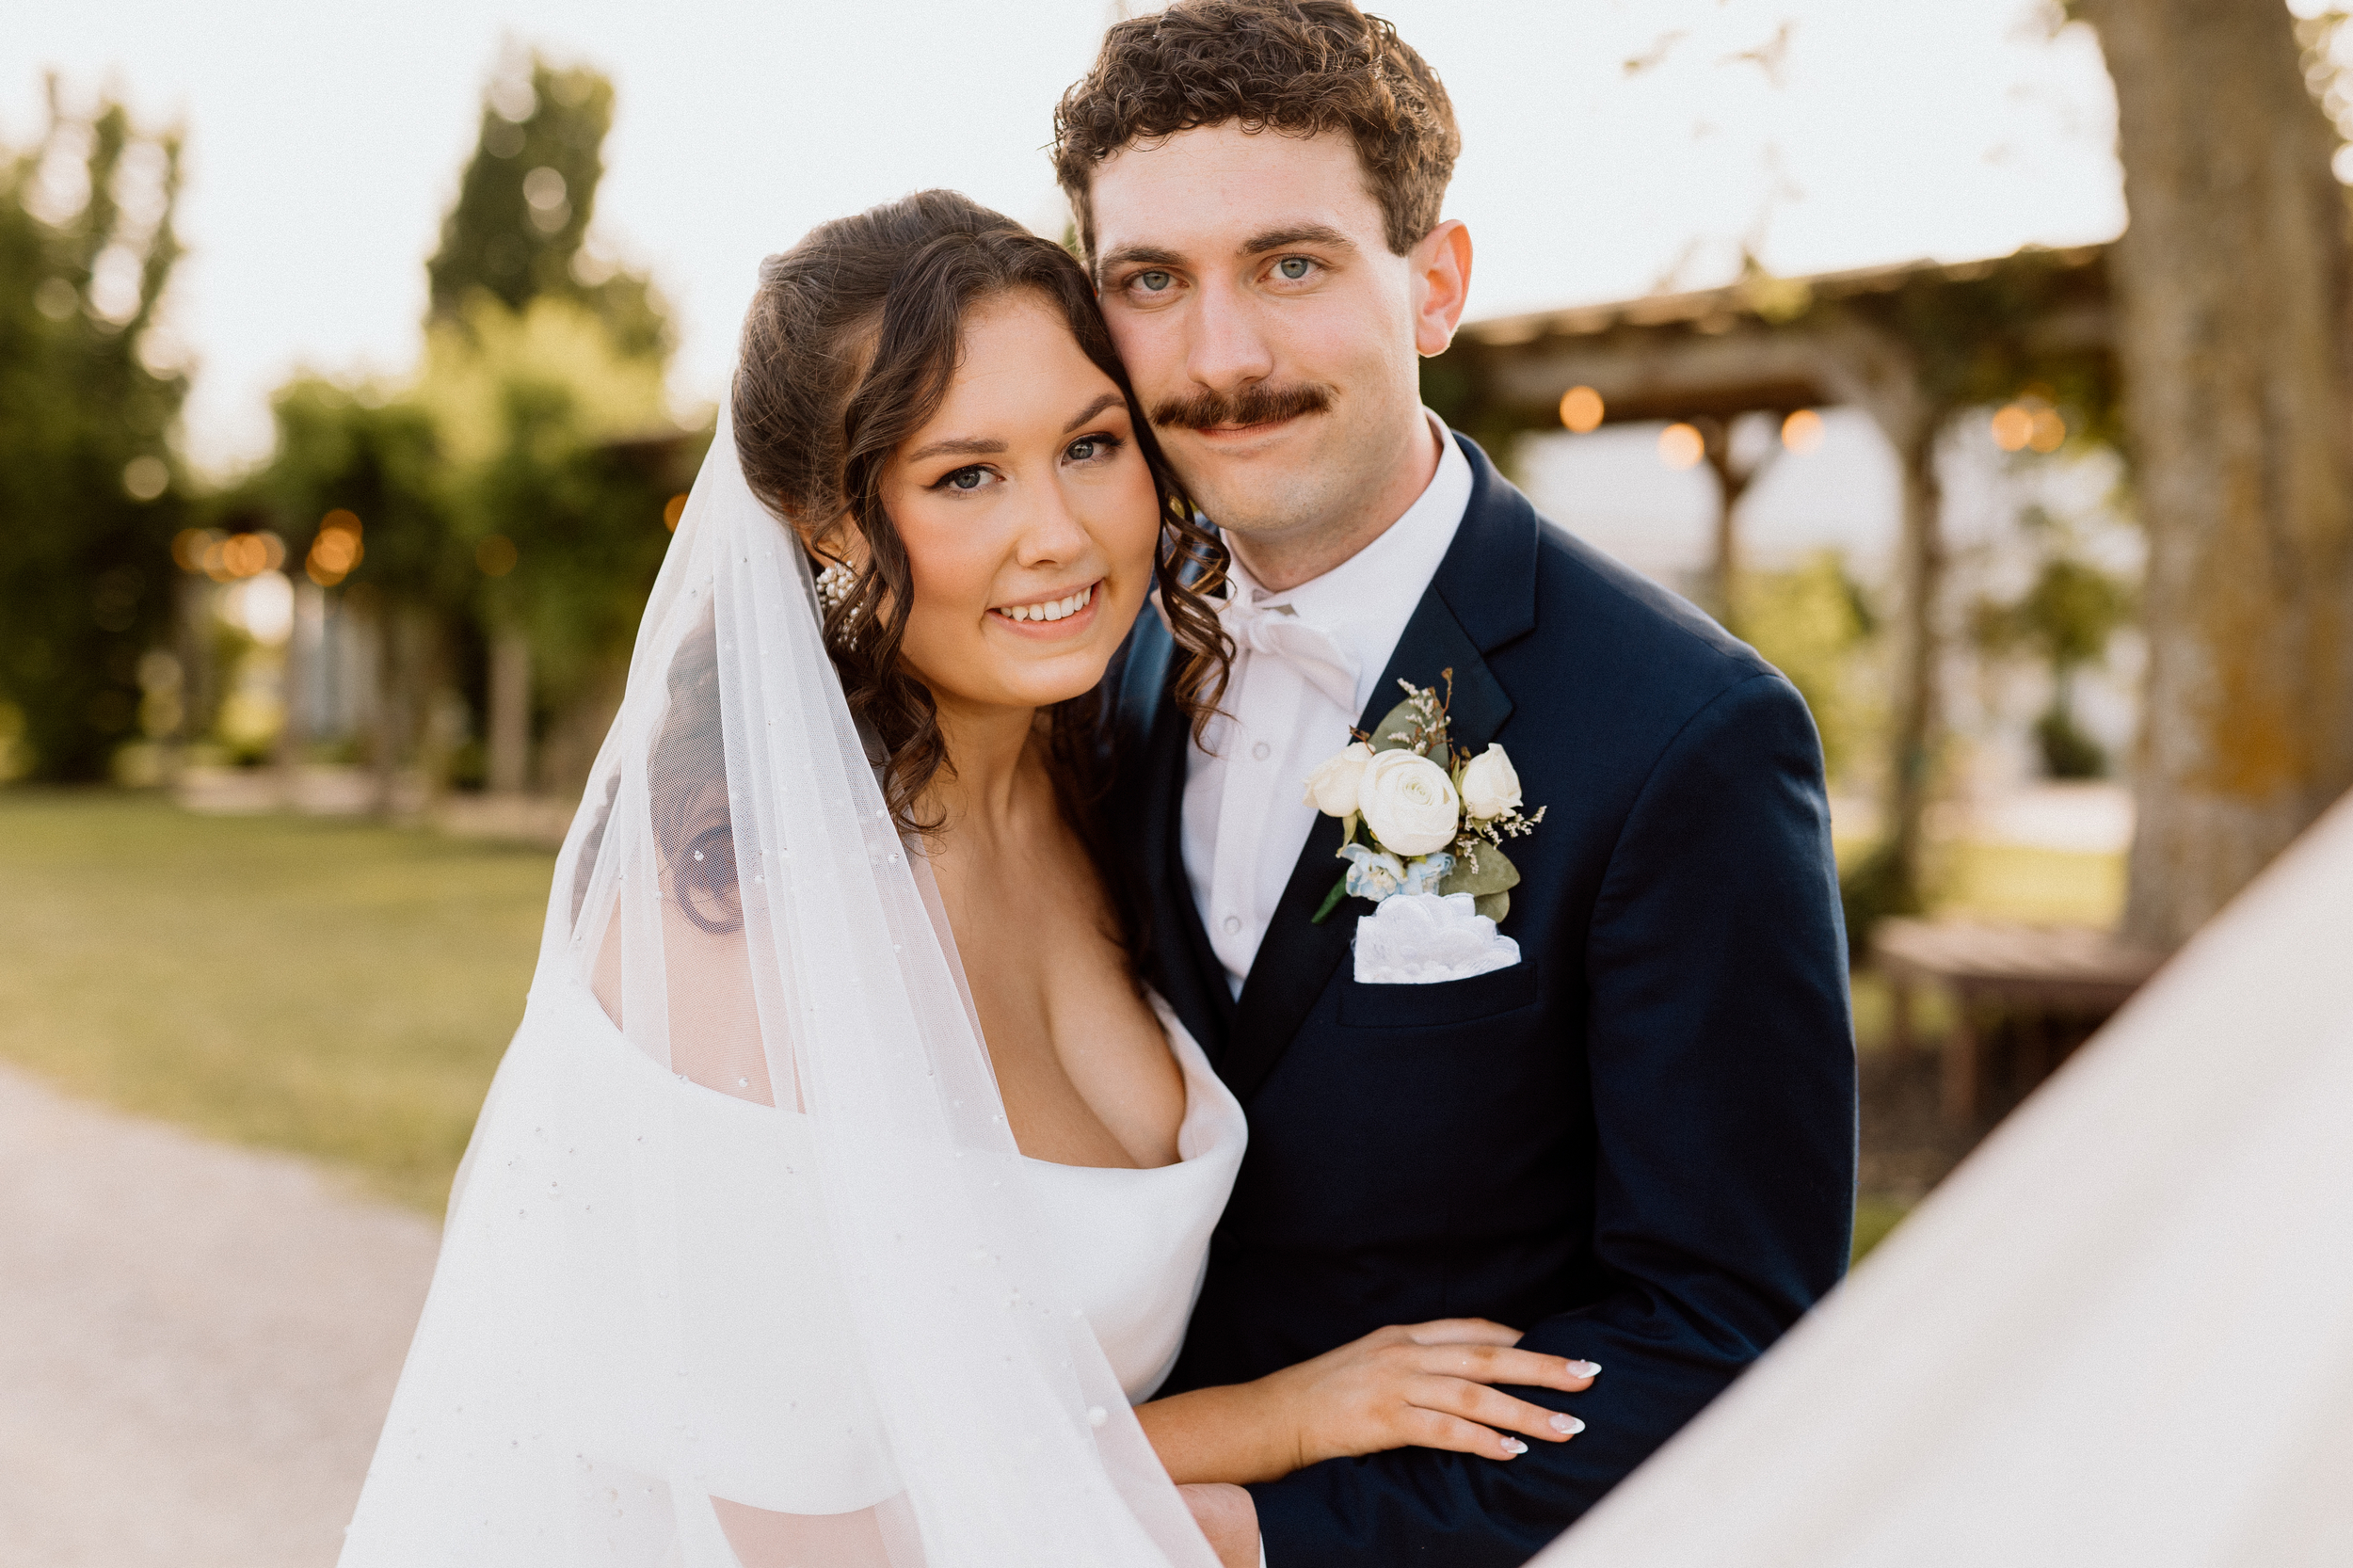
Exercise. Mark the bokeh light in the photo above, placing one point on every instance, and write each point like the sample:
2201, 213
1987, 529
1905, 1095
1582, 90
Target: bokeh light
672, 510
145, 477
1802, 432
262, 605
337, 549
1582, 409
2013, 425
2029, 423
496, 555
1681, 445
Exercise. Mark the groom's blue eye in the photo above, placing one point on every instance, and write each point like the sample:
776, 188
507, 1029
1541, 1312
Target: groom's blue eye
1294, 267
1154, 281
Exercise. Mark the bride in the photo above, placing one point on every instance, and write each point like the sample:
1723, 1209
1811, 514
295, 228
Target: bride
843, 1196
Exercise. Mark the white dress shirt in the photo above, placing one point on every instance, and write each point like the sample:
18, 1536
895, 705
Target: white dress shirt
1244, 818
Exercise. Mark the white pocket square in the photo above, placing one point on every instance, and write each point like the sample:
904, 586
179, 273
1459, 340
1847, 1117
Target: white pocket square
1422, 938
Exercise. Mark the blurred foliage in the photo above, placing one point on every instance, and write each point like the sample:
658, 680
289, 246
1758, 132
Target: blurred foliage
90, 492
2064, 619
380, 457
518, 481
562, 455
523, 206
1810, 623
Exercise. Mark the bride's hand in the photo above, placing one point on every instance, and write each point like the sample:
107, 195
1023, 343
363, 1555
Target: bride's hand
1424, 1385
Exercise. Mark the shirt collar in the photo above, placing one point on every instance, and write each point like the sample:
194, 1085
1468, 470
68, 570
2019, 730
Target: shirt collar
1366, 601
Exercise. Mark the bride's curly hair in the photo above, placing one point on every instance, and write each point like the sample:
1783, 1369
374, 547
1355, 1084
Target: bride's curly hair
848, 349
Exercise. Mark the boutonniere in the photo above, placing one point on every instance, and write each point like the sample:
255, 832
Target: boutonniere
1433, 816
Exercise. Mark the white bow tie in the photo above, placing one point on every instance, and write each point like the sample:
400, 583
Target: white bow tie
1277, 632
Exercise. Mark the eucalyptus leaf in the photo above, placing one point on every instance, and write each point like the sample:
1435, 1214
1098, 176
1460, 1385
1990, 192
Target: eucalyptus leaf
1495, 873
1398, 720
1331, 902
1494, 906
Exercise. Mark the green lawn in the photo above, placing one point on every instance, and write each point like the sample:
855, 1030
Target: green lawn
344, 989
2016, 882
335, 989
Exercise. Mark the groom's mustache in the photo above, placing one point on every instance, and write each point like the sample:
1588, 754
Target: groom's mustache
1256, 404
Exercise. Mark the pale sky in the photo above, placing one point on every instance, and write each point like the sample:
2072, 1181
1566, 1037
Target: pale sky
325, 139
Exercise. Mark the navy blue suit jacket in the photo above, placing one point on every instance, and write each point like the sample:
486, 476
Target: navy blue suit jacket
1638, 1144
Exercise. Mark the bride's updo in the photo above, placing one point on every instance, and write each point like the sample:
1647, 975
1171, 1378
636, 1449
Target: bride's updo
848, 349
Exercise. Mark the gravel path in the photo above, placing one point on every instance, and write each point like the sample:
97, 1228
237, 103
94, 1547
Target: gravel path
197, 1343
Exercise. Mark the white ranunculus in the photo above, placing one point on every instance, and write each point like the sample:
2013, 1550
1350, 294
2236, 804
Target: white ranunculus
1332, 788
1490, 787
1408, 802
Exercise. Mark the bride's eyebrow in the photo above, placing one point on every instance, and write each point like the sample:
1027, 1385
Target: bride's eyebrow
957, 446
1108, 400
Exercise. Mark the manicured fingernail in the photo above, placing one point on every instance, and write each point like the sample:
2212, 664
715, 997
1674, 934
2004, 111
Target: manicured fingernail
1513, 1446
1584, 1368
1568, 1424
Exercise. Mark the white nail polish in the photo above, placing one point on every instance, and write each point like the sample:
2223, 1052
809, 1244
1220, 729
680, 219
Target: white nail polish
1568, 1424
1513, 1446
1584, 1368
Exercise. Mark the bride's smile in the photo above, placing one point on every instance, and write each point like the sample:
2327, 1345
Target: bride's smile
1050, 609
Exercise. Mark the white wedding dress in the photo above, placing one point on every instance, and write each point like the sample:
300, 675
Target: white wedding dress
743, 1246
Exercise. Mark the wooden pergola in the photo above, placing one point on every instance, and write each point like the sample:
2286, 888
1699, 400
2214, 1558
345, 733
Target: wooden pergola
1913, 346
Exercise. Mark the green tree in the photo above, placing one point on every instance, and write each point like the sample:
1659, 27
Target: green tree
511, 496
90, 496
524, 203
371, 465
1811, 622
562, 454
2064, 619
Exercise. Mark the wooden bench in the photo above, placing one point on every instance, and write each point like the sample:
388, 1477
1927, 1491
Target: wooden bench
2028, 971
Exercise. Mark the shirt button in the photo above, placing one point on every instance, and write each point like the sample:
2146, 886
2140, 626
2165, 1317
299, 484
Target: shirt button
1262, 751
1232, 924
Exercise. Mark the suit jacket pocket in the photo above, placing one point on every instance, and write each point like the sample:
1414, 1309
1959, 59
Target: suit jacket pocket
1448, 1001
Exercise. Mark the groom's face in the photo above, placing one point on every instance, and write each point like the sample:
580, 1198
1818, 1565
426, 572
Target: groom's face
1272, 333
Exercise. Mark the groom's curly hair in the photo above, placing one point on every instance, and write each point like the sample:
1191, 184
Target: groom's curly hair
1296, 67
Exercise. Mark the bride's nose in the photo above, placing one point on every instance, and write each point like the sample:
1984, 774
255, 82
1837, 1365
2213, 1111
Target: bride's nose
1051, 532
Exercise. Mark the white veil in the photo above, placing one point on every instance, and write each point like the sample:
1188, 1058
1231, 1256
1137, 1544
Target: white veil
738, 1267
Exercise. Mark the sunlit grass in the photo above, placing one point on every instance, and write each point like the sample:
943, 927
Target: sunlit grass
344, 990
1874, 1217
2017, 882
334, 988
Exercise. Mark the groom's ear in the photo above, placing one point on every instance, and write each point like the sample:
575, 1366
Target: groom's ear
1441, 272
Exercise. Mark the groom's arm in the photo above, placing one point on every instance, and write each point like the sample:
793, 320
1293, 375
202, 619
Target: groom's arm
1724, 1093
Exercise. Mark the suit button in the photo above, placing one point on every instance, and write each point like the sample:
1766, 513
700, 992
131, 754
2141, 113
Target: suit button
1262, 751
1232, 924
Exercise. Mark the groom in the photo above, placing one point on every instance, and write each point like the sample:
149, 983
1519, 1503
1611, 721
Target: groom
1637, 1143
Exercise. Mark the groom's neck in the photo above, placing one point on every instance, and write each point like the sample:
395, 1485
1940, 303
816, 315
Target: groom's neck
1279, 561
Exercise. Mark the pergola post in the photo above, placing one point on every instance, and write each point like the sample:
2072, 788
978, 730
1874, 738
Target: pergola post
1876, 371
1733, 480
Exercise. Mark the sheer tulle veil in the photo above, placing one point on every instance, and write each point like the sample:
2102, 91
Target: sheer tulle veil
738, 1266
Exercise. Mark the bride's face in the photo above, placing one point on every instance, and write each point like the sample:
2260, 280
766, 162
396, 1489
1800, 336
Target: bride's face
1027, 514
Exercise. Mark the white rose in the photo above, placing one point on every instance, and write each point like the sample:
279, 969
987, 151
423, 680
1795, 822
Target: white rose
1408, 802
1332, 788
1490, 787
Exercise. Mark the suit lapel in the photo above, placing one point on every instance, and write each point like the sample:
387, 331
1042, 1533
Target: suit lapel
1482, 596
1184, 964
